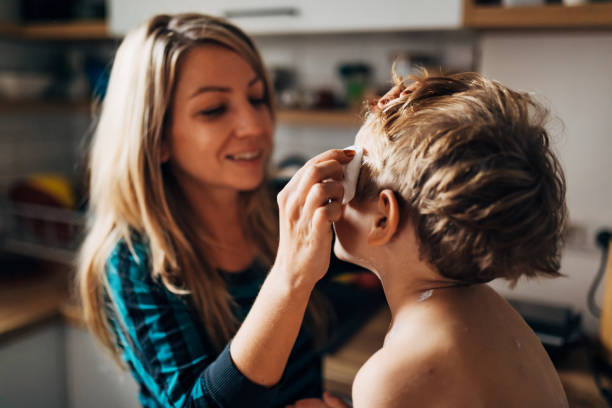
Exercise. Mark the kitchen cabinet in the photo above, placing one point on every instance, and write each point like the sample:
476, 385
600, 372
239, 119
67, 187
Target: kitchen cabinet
300, 16
93, 379
47, 358
32, 368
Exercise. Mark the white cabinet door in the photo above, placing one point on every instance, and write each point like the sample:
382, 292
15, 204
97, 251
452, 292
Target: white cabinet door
32, 368
93, 379
320, 16
301, 16
127, 14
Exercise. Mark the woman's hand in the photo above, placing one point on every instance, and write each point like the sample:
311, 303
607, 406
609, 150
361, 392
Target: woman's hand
308, 205
394, 93
328, 401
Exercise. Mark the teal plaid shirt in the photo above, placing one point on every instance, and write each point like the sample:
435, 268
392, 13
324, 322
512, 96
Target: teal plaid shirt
162, 340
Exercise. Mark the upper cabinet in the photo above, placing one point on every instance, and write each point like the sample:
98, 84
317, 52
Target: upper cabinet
301, 16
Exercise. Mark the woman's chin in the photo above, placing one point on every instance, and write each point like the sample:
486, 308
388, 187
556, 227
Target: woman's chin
250, 184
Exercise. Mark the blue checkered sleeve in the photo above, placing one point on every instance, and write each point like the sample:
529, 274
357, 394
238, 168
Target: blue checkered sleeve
163, 342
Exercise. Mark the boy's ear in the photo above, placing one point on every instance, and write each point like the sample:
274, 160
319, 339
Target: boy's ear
386, 219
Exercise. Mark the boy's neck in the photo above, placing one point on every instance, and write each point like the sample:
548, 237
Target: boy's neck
407, 280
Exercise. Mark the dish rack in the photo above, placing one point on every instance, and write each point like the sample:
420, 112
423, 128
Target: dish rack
39, 231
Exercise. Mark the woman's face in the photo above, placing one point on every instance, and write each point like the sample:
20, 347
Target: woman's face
220, 135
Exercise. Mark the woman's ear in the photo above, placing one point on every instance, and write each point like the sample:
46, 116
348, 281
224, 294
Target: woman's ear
386, 219
164, 152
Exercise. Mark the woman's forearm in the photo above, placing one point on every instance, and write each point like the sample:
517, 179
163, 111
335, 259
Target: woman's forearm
263, 343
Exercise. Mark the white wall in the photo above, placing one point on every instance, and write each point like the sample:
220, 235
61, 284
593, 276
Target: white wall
571, 72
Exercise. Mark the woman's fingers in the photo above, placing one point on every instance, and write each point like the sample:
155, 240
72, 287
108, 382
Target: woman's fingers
320, 172
340, 155
293, 196
322, 220
323, 195
333, 402
308, 205
335, 155
308, 403
396, 92
318, 183
328, 401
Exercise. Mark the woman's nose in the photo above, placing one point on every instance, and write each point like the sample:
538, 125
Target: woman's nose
249, 122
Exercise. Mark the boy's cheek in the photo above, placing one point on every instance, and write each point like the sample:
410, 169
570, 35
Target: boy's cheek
347, 236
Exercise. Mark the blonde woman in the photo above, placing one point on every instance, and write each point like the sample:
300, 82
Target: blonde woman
180, 275
458, 186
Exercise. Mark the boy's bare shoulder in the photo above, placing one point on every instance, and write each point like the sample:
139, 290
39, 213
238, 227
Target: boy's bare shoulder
396, 374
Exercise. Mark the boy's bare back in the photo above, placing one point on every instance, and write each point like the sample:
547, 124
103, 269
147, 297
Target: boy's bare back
459, 185
459, 347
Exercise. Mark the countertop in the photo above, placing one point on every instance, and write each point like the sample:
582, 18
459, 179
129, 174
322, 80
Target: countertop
32, 297
35, 298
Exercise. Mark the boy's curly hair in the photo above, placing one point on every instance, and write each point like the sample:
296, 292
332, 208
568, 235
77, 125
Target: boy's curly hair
471, 161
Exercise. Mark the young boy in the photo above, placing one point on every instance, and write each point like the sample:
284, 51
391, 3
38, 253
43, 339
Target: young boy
458, 186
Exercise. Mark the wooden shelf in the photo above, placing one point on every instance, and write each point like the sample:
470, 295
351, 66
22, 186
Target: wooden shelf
339, 118
593, 15
334, 118
74, 30
43, 106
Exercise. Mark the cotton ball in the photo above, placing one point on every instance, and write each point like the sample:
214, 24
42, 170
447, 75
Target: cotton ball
351, 174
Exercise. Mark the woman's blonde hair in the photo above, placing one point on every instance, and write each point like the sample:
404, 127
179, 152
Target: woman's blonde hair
471, 162
132, 192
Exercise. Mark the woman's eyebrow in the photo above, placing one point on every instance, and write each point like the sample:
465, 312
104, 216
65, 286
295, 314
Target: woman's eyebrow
213, 88
203, 89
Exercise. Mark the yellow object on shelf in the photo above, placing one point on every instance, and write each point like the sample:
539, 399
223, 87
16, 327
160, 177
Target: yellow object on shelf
56, 186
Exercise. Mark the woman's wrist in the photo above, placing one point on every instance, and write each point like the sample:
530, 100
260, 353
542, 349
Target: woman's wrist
261, 347
293, 283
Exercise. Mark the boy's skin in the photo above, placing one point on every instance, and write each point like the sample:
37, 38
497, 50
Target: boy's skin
448, 345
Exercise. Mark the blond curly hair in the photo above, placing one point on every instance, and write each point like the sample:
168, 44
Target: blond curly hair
471, 163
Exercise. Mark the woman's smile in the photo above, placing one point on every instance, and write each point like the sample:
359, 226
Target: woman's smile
248, 156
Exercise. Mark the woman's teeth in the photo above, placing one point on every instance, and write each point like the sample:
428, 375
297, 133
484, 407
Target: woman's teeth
246, 155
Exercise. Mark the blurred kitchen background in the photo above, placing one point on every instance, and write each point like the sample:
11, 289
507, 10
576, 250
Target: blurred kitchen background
325, 57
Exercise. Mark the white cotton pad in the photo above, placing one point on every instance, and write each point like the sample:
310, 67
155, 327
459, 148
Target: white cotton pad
351, 174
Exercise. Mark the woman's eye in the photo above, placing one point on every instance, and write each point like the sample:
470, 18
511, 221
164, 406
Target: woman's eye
211, 112
257, 101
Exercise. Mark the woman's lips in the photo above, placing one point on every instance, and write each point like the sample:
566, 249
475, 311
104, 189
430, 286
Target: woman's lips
246, 156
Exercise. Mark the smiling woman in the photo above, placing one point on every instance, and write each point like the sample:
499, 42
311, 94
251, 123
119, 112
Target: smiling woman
221, 134
183, 274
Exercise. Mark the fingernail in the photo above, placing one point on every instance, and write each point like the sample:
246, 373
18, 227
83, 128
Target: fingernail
349, 153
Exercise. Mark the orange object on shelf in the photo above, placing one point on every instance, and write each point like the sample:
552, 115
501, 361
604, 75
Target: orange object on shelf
605, 323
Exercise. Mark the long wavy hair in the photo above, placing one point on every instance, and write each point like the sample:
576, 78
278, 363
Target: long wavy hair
131, 191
